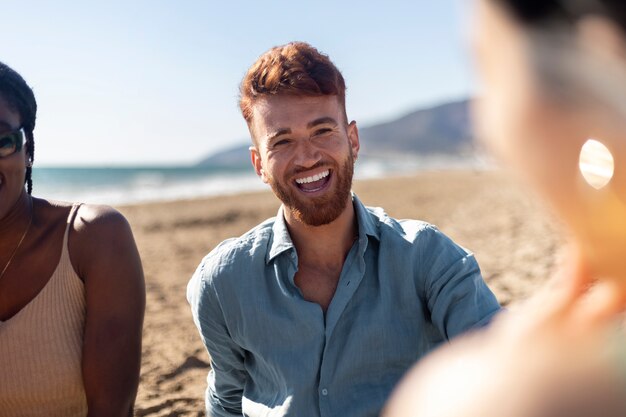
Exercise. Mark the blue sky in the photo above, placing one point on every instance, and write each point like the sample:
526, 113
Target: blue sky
154, 82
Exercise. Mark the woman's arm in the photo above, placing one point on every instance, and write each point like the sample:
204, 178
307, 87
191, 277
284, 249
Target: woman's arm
105, 256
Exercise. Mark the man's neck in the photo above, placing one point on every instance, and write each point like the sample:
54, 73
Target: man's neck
325, 244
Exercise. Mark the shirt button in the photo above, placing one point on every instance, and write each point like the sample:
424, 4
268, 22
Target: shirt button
324, 392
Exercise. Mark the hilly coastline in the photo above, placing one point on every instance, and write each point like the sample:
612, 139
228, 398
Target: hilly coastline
443, 131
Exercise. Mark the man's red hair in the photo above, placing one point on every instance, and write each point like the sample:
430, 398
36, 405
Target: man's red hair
296, 69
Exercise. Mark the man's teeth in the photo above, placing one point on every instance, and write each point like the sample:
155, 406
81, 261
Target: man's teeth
313, 178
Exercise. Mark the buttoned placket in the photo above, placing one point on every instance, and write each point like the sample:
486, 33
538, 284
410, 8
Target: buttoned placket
349, 281
351, 276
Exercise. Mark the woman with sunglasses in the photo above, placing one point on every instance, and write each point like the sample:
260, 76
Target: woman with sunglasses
71, 288
554, 109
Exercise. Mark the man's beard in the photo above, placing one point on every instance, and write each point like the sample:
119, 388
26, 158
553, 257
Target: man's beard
318, 211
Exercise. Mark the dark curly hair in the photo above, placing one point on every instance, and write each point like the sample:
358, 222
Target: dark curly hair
20, 98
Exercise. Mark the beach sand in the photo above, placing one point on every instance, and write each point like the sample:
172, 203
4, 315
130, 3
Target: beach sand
514, 239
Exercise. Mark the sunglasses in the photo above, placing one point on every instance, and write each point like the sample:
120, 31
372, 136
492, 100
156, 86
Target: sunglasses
11, 143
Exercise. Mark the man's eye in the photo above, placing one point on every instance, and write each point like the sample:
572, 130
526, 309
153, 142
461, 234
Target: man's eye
320, 132
281, 142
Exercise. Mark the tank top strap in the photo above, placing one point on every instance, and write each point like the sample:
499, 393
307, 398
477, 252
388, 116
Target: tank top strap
70, 221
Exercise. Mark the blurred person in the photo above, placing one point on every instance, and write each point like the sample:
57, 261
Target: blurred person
71, 288
554, 110
320, 310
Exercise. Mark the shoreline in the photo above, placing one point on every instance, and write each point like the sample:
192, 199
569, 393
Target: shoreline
145, 184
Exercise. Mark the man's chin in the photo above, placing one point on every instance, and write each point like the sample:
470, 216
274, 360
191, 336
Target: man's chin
320, 210
318, 213
314, 220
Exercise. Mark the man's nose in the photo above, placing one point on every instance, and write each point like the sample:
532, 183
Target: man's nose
307, 154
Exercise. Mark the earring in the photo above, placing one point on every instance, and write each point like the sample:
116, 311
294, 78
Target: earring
596, 164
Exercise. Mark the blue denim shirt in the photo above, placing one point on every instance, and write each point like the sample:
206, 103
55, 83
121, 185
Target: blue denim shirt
404, 288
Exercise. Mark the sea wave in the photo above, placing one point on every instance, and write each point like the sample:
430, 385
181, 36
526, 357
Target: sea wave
128, 185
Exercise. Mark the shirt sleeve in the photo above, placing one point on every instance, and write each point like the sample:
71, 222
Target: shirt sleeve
457, 296
227, 376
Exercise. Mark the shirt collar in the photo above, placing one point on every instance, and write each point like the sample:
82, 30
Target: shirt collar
281, 240
368, 223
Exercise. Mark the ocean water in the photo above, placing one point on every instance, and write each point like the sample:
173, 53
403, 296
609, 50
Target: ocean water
127, 185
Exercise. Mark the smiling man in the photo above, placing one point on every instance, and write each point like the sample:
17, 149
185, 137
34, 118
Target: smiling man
320, 310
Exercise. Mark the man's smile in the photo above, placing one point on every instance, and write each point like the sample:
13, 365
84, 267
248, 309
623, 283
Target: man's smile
315, 182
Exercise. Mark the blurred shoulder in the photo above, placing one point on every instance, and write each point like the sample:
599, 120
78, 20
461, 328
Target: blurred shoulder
531, 360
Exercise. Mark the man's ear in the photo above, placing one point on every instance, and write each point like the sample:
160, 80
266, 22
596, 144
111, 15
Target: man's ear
353, 138
257, 163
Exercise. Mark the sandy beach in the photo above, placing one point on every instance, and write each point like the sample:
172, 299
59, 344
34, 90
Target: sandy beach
514, 239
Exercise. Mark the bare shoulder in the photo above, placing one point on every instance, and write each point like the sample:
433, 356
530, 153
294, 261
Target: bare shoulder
90, 221
99, 227
98, 219
100, 234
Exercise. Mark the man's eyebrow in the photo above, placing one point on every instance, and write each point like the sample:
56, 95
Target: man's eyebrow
278, 133
322, 121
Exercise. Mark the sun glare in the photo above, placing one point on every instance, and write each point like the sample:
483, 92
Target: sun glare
596, 164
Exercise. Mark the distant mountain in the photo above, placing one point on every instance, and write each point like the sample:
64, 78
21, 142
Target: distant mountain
234, 157
441, 130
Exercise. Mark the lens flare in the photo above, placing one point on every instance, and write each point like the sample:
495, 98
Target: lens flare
596, 164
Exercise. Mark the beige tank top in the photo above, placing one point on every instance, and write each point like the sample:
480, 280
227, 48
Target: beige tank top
41, 348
